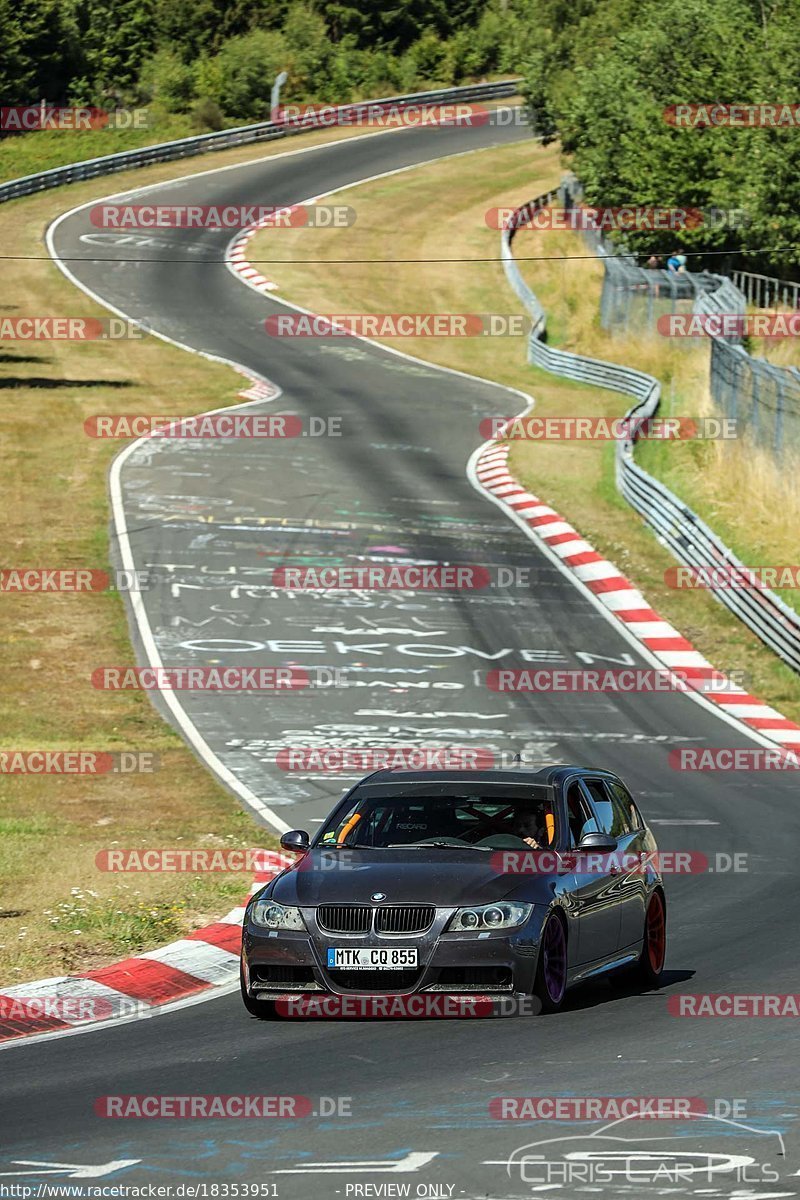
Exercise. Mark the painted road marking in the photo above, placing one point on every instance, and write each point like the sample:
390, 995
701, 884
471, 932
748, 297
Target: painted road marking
678, 821
412, 1162
74, 1170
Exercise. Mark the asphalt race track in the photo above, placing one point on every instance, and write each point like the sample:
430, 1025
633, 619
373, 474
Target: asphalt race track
209, 520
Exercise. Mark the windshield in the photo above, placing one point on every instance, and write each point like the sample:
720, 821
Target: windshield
471, 820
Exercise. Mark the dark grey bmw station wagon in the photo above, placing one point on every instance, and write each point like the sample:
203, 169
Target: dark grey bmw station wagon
500, 882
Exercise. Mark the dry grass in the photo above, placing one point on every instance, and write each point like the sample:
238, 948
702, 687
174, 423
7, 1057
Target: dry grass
438, 211
782, 352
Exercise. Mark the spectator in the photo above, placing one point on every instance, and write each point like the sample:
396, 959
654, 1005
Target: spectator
654, 262
674, 262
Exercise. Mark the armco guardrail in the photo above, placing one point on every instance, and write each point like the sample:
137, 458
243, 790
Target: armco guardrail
689, 538
242, 136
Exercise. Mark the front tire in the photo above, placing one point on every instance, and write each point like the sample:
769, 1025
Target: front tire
550, 985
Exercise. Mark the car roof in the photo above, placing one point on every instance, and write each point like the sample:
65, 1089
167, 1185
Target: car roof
549, 776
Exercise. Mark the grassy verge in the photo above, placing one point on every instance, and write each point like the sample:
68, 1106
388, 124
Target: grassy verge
57, 911
27, 153
437, 212
781, 352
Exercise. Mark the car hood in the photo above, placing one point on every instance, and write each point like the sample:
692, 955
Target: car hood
442, 877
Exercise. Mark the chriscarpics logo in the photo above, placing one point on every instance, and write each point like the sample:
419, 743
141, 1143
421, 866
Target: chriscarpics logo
698, 1154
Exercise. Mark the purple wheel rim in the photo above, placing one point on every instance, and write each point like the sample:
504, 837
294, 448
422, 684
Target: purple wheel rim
656, 933
554, 950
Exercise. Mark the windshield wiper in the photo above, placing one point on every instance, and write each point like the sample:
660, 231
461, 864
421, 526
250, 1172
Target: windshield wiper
434, 845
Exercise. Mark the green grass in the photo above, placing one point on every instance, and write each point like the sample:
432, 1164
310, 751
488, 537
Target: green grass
28, 153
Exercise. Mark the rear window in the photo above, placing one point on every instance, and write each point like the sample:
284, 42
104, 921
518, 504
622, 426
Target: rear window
623, 797
614, 807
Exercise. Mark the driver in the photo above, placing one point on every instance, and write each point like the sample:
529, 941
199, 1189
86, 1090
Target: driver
536, 828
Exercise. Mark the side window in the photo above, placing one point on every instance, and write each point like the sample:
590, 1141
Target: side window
579, 815
602, 805
623, 797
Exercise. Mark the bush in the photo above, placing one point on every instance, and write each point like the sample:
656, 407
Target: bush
432, 58
167, 81
207, 116
241, 76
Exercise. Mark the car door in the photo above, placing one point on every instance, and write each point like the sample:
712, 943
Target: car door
614, 809
593, 894
629, 829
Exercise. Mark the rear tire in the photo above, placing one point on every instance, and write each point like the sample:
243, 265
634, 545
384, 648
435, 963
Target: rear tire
550, 986
654, 943
263, 1009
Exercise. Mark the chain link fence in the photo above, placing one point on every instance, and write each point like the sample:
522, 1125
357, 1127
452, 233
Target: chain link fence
763, 398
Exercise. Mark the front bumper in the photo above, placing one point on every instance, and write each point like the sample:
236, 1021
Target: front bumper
501, 962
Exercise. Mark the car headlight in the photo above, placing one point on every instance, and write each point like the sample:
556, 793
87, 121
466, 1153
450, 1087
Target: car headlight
276, 916
503, 915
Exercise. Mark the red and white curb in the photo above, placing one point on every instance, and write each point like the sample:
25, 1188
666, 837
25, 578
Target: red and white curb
620, 598
134, 987
259, 389
238, 260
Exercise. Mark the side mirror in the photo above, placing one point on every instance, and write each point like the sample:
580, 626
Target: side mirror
598, 843
296, 840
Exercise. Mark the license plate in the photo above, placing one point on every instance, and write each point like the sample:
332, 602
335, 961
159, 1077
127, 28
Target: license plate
394, 959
